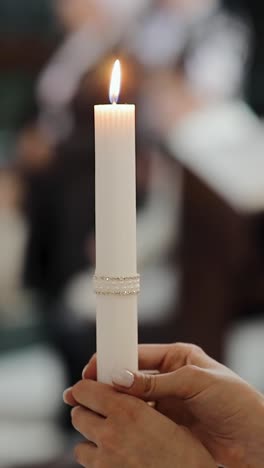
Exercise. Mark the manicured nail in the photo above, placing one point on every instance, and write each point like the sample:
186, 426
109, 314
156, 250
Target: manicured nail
124, 378
64, 395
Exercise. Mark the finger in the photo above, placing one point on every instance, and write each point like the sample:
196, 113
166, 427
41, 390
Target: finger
97, 397
150, 357
170, 357
157, 357
90, 370
68, 397
87, 423
85, 454
183, 383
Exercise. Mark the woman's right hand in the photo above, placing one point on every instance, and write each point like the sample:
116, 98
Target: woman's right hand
192, 389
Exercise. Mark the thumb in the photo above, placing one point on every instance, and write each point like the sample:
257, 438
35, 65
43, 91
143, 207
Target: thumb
183, 383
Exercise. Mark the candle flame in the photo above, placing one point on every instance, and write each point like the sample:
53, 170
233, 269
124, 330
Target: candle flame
115, 83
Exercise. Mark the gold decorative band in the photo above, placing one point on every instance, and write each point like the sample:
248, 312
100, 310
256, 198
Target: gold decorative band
116, 285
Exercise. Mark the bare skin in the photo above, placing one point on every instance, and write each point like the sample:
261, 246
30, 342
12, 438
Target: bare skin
123, 431
218, 407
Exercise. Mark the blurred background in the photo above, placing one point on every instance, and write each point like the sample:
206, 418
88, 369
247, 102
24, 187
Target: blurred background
195, 70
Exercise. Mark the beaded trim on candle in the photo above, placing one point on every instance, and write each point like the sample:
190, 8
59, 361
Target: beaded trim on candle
120, 286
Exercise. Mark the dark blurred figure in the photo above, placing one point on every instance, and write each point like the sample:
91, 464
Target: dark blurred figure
60, 227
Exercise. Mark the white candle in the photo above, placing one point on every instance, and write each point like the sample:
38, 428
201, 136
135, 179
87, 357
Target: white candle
116, 281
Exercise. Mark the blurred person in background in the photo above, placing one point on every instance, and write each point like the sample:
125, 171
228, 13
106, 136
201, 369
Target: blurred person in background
180, 58
199, 32
56, 90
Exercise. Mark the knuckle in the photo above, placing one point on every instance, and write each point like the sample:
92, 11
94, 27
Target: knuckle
201, 375
196, 350
195, 354
78, 388
76, 415
131, 409
77, 418
192, 369
115, 401
170, 357
108, 438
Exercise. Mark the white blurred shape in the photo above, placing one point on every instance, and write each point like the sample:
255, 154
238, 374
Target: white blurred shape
23, 442
124, 11
159, 40
215, 66
79, 53
223, 145
31, 384
245, 351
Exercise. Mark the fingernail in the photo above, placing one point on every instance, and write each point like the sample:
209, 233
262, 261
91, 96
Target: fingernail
124, 378
64, 395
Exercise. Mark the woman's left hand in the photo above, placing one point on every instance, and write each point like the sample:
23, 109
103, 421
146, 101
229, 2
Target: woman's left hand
123, 431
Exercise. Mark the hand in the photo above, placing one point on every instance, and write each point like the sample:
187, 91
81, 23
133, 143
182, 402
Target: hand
123, 431
222, 410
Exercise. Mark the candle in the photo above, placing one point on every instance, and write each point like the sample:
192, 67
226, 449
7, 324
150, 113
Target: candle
116, 281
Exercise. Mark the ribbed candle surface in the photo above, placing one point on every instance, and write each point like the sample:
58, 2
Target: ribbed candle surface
115, 237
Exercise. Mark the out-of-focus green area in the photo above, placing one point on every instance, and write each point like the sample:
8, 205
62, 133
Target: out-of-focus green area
22, 24
30, 17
